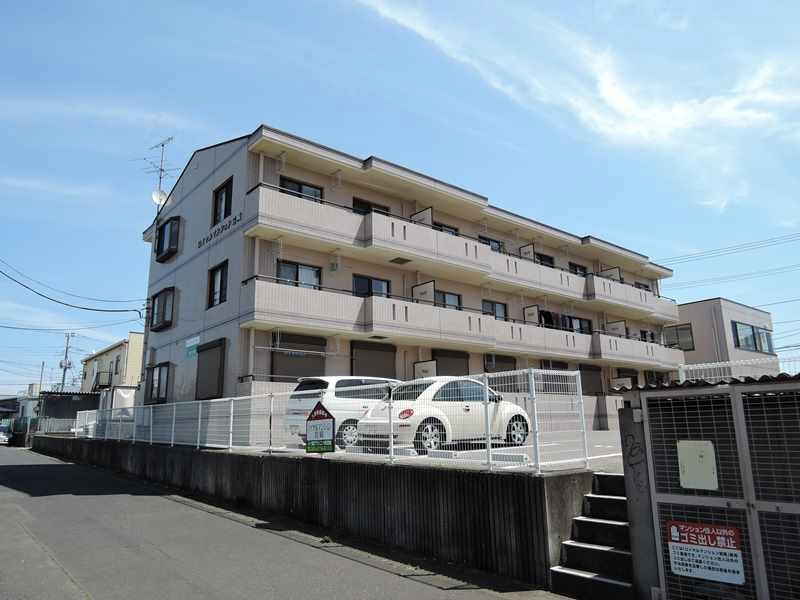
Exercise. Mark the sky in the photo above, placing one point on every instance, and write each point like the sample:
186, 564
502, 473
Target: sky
666, 127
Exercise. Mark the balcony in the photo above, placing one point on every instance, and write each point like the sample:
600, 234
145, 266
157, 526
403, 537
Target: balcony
530, 338
102, 380
628, 300
305, 221
514, 272
431, 250
308, 310
414, 322
620, 350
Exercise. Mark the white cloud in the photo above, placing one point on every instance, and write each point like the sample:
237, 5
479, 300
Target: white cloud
50, 186
549, 69
107, 110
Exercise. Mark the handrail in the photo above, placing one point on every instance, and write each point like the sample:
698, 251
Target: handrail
350, 209
295, 283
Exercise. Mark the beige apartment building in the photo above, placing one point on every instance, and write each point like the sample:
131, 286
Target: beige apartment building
115, 367
275, 257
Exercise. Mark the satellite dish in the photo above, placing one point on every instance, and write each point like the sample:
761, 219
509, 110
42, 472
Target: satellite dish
159, 197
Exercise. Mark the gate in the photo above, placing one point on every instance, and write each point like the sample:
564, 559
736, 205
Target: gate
724, 483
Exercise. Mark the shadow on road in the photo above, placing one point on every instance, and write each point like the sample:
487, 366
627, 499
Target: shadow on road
69, 479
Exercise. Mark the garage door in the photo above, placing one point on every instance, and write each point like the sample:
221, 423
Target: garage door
372, 359
451, 362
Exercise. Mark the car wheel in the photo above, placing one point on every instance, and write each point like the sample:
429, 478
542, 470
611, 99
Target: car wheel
347, 434
517, 431
430, 436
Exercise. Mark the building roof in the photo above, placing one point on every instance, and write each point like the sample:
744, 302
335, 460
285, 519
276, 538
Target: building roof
704, 383
721, 299
121, 342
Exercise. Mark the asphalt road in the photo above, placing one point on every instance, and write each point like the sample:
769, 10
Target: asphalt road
71, 531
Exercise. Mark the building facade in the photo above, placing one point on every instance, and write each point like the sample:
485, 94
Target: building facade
275, 257
117, 365
719, 330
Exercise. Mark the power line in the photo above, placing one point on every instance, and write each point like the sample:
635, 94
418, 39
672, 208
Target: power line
66, 293
784, 322
64, 329
109, 310
737, 277
726, 250
779, 302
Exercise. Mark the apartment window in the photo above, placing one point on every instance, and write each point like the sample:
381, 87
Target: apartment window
641, 286
445, 228
447, 299
591, 379
495, 245
497, 363
547, 318
300, 189
679, 336
554, 365
161, 306
646, 335
116, 365
450, 362
167, 239
210, 370
545, 259
750, 337
632, 374
222, 202
217, 285
296, 356
498, 309
364, 207
364, 286
291, 273
655, 377
577, 324
577, 269
372, 359
157, 383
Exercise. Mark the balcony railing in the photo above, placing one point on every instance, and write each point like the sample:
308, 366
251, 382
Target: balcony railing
102, 380
300, 214
621, 349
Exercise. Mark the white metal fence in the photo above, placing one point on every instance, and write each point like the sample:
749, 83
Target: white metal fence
756, 367
527, 419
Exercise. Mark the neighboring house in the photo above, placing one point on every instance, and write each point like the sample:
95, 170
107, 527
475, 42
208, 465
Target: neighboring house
114, 369
275, 257
721, 330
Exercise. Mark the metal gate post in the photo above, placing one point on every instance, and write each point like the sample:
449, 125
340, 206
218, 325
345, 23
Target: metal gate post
172, 434
119, 427
269, 421
391, 431
151, 424
488, 427
534, 421
134, 425
582, 416
230, 428
105, 427
199, 417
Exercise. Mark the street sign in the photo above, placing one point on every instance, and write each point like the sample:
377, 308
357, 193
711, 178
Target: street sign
320, 430
703, 551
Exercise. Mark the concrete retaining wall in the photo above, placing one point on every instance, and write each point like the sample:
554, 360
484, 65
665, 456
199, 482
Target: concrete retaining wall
503, 523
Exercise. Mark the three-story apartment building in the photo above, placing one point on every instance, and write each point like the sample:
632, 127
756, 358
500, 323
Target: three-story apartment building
275, 257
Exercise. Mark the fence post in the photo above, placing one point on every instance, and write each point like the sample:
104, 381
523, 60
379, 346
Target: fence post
391, 430
151, 424
199, 419
105, 426
133, 441
269, 422
172, 434
230, 428
537, 459
582, 416
488, 426
119, 425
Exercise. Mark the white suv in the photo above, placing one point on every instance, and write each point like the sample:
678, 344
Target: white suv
435, 411
346, 398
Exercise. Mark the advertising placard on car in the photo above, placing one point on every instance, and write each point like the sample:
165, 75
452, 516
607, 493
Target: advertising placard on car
704, 551
320, 430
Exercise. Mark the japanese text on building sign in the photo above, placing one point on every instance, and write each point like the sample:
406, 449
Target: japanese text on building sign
703, 551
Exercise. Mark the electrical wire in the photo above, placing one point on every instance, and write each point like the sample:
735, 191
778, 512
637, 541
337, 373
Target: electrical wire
66, 293
737, 277
66, 329
45, 296
778, 302
727, 250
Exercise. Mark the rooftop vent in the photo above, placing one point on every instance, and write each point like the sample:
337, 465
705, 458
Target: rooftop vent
400, 260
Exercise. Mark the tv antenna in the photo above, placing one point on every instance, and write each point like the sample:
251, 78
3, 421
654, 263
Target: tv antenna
157, 165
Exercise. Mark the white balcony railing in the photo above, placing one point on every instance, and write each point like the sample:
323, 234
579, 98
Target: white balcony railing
628, 297
631, 351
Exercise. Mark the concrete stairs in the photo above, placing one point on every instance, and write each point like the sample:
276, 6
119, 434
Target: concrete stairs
596, 562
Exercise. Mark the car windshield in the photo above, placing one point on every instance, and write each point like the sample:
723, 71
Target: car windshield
309, 388
410, 391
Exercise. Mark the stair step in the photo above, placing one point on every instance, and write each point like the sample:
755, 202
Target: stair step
605, 560
605, 532
603, 506
587, 585
610, 484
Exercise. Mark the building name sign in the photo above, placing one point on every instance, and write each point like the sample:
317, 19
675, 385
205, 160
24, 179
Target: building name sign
226, 225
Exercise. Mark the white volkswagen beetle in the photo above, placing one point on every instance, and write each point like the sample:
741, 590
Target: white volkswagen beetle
432, 412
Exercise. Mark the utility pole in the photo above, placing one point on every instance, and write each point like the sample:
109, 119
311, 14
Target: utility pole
41, 378
65, 364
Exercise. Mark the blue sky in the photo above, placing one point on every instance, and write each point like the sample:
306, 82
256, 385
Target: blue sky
668, 128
